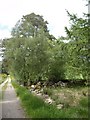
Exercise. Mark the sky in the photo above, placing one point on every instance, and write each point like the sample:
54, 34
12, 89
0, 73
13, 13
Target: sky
54, 11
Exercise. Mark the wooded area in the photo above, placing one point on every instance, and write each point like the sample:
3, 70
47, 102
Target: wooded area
33, 54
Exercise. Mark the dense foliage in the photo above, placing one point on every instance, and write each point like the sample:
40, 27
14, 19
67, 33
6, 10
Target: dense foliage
33, 54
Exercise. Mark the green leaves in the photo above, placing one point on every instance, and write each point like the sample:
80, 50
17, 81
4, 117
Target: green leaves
78, 54
31, 55
29, 26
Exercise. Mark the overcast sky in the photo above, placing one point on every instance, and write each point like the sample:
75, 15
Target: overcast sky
52, 10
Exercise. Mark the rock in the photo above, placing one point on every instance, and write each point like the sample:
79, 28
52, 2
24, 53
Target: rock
37, 91
39, 94
32, 86
21, 85
60, 106
45, 96
85, 93
60, 83
41, 90
49, 100
53, 86
38, 85
63, 84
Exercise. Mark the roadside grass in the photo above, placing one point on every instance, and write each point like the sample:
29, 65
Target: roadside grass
2, 91
35, 107
4, 87
2, 78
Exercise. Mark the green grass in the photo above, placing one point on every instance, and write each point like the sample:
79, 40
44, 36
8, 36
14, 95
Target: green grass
2, 78
4, 87
36, 108
83, 107
47, 91
2, 91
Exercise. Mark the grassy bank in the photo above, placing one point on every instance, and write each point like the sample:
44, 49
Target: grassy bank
2, 78
2, 91
37, 108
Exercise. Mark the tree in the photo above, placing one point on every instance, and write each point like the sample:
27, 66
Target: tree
30, 25
57, 60
27, 57
78, 46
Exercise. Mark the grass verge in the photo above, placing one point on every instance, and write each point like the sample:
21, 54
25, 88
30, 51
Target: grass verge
2, 78
37, 108
2, 91
4, 88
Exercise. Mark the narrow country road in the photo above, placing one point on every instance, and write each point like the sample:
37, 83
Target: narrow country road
11, 104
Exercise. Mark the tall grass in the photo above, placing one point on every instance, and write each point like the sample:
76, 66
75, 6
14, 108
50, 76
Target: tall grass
36, 108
